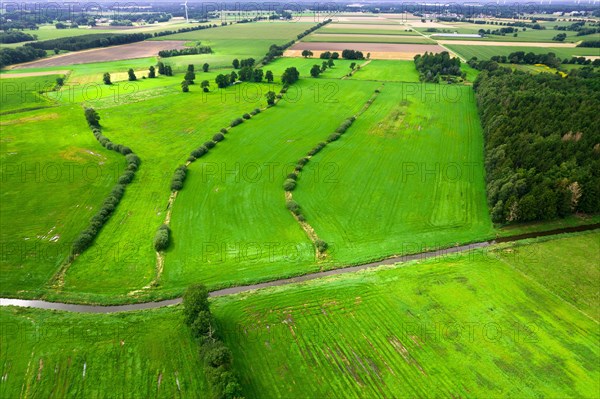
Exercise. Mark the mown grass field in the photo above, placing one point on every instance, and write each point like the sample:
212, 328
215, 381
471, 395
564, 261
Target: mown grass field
54, 178
25, 93
230, 224
486, 52
425, 187
61, 354
460, 326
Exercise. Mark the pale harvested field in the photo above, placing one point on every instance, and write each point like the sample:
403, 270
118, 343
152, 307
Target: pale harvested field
32, 74
114, 53
508, 44
366, 26
379, 51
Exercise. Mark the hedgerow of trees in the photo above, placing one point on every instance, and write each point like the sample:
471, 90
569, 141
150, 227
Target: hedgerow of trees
185, 51
542, 143
216, 356
86, 237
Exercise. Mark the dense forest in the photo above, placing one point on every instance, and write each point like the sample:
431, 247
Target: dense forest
542, 144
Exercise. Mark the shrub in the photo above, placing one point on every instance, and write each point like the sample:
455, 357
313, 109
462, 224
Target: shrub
321, 245
178, 178
131, 158
246, 116
293, 206
292, 176
125, 150
126, 177
302, 161
195, 300
161, 238
210, 144
224, 131
289, 184
218, 137
237, 121
198, 152
333, 137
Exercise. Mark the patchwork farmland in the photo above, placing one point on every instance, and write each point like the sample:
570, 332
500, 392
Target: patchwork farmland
295, 204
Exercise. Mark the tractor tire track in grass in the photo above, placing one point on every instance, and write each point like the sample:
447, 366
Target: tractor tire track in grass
86, 238
290, 183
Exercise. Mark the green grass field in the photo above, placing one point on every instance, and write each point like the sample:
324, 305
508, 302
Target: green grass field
461, 326
230, 224
54, 178
367, 31
486, 52
425, 187
26, 93
388, 71
61, 354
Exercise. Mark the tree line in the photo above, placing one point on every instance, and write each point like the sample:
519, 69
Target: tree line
185, 51
16, 37
87, 236
217, 358
542, 144
84, 42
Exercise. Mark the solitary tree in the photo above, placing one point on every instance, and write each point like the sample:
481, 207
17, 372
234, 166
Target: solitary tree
161, 68
222, 81
131, 74
204, 85
106, 78
270, 97
257, 76
290, 76
269, 76
236, 63
184, 86
56, 51
315, 71
151, 72
191, 68
205, 67
190, 76
307, 53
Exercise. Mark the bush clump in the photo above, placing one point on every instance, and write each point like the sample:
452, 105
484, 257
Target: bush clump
293, 207
246, 116
218, 137
333, 137
289, 184
161, 238
210, 144
198, 152
178, 178
237, 121
321, 245
224, 131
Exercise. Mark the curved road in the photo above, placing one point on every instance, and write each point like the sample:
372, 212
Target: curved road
235, 290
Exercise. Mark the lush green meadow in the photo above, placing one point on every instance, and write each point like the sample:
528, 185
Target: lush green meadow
467, 325
230, 224
425, 187
54, 178
25, 93
388, 71
486, 52
148, 354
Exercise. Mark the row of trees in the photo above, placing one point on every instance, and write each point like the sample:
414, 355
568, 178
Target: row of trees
216, 356
352, 55
589, 43
86, 237
83, 42
15, 36
432, 67
328, 54
185, 51
10, 56
316, 70
542, 144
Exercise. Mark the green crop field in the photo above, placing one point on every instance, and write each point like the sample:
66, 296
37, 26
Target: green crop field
425, 187
367, 31
458, 326
486, 52
61, 354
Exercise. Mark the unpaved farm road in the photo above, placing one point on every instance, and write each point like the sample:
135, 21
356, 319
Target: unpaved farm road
39, 304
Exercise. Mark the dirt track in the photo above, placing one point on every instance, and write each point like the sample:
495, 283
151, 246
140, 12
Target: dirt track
114, 53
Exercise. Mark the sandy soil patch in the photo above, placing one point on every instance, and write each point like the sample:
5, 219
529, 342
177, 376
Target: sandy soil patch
506, 44
114, 53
